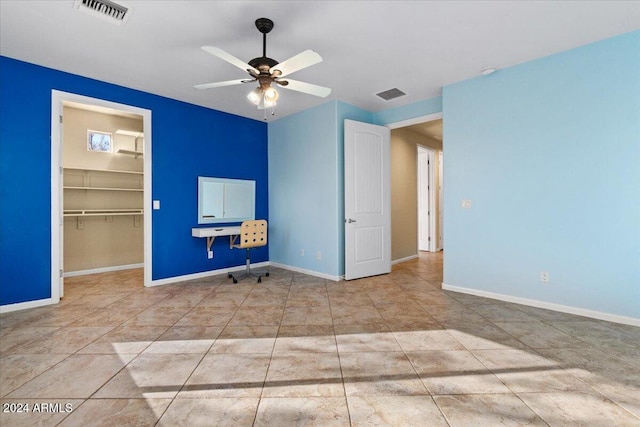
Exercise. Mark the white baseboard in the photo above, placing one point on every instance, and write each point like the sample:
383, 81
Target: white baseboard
28, 304
102, 270
546, 305
405, 259
204, 274
309, 272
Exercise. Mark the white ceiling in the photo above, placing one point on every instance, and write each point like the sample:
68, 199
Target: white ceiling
367, 46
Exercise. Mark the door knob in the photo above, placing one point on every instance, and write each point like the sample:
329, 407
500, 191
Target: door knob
351, 220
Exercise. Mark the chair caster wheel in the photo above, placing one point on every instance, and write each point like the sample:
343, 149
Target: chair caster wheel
266, 274
235, 280
230, 276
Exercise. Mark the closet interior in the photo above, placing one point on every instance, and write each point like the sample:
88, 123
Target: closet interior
103, 173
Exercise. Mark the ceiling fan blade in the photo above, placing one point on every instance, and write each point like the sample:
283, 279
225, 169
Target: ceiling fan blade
309, 88
221, 84
216, 51
298, 62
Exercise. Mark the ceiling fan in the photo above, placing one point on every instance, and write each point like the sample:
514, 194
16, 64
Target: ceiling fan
267, 71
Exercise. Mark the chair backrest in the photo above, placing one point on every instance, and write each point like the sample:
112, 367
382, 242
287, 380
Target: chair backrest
253, 233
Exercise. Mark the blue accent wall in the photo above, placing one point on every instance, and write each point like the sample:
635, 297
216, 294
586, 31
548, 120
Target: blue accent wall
549, 154
188, 141
306, 191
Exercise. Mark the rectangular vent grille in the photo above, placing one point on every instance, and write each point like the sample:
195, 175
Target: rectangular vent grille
108, 10
390, 94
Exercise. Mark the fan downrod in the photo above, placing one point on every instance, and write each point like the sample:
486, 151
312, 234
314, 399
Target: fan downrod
264, 63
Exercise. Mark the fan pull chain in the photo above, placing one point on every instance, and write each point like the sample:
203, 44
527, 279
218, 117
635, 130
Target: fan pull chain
273, 112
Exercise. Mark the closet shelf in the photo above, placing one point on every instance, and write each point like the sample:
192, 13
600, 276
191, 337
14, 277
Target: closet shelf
104, 170
103, 188
102, 212
136, 154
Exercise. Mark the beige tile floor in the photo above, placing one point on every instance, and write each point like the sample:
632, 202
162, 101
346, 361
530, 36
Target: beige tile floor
297, 350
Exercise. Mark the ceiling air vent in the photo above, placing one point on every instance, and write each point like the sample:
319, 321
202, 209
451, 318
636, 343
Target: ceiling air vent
109, 11
390, 94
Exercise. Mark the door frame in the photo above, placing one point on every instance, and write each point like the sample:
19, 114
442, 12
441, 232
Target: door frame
415, 121
441, 199
430, 196
58, 98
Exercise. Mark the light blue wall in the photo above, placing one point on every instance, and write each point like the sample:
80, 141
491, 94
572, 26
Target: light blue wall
306, 202
549, 154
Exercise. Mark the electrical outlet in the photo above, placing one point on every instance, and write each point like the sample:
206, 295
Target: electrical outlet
301, 252
318, 256
210, 254
544, 276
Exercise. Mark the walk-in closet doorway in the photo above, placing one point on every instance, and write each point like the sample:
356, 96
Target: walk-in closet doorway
101, 188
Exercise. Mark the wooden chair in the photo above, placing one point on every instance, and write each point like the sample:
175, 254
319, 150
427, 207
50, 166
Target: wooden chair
253, 234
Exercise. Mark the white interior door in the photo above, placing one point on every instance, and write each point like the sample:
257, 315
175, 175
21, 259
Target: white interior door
424, 233
367, 204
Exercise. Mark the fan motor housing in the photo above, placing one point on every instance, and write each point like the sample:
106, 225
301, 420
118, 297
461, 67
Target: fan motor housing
263, 64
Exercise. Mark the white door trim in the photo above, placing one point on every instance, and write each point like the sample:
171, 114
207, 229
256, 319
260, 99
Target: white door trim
57, 100
440, 202
415, 121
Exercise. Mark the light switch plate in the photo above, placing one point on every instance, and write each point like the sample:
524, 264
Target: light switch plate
156, 205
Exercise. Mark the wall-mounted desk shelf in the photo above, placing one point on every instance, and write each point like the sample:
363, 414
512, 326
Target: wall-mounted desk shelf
212, 232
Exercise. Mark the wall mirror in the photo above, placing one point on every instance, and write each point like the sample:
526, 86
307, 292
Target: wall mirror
225, 200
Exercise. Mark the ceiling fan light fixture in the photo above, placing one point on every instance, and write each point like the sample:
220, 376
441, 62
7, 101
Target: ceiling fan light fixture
270, 94
255, 95
269, 103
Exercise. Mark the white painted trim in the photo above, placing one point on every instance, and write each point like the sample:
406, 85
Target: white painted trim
196, 276
415, 121
57, 99
309, 272
29, 304
546, 305
147, 199
405, 259
56, 189
440, 197
102, 270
